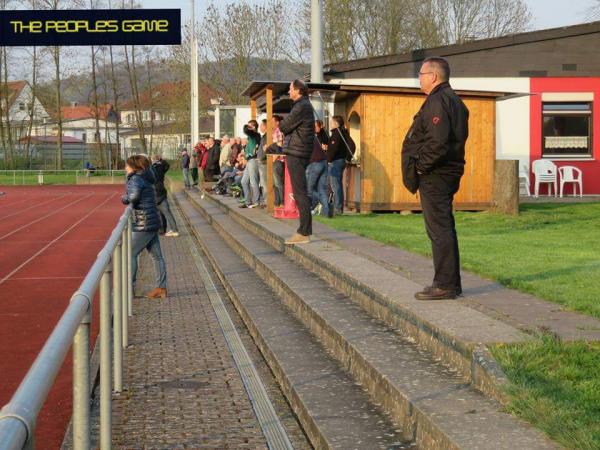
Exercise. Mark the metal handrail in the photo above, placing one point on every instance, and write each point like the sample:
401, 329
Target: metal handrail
18, 417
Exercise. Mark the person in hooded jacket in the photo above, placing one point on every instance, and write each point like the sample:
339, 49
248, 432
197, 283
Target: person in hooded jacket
339, 152
140, 194
160, 167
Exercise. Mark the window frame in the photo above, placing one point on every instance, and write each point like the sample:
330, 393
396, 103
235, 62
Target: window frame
589, 114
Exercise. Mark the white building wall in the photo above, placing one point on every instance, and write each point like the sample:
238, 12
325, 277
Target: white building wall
242, 115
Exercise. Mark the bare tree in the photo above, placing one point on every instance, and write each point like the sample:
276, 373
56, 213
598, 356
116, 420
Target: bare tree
593, 12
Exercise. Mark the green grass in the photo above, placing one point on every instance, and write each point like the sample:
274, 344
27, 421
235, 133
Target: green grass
556, 386
549, 250
27, 177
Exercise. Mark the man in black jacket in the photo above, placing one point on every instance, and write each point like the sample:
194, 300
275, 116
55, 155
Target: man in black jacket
299, 130
433, 161
160, 168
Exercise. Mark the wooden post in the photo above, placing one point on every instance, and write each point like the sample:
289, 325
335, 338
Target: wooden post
253, 108
270, 196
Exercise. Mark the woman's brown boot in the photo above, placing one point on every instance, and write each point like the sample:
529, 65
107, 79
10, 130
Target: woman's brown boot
157, 293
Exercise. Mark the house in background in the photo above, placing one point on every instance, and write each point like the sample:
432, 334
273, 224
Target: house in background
165, 112
551, 78
79, 121
18, 97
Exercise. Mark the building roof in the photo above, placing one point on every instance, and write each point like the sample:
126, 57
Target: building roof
163, 95
79, 112
14, 89
51, 140
282, 103
206, 125
468, 47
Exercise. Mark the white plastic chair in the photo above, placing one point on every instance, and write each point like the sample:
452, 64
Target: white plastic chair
545, 172
570, 174
524, 176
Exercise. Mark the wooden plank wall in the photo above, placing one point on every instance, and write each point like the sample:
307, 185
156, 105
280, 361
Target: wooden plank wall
385, 119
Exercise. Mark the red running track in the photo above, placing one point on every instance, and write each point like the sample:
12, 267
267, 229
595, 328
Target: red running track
49, 239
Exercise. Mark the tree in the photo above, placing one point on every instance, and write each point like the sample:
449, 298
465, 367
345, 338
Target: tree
593, 11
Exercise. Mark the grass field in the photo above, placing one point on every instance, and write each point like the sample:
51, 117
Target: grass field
549, 250
30, 177
553, 252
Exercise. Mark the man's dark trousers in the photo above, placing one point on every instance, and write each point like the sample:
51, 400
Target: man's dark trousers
297, 170
437, 193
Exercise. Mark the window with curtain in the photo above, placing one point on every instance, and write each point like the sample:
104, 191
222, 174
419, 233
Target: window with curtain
567, 129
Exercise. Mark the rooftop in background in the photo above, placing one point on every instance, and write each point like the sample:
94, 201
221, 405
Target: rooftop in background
51, 140
163, 95
78, 112
14, 89
566, 51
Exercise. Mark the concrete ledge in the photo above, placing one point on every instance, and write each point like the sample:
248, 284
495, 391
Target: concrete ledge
450, 331
346, 420
393, 373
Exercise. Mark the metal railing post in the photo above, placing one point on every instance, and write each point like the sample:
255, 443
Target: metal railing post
81, 381
105, 364
124, 290
129, 267
117, 319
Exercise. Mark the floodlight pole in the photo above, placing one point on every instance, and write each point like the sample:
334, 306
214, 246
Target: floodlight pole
194, 80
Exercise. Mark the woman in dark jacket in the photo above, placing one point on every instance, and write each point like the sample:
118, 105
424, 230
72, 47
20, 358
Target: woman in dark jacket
146, 221
338, 153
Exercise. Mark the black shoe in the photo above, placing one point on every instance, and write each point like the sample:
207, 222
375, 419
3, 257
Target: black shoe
243, 205
435, 293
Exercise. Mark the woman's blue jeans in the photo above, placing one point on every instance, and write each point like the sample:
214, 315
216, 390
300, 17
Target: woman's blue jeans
148, 240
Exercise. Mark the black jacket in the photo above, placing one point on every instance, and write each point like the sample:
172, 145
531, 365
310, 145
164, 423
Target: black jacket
185, 161
337, 148
160, 168
140, 194
212, 162
435, 143
299, 129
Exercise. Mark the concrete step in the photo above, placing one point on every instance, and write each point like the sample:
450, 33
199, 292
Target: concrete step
450, 331
428, 401
335, 411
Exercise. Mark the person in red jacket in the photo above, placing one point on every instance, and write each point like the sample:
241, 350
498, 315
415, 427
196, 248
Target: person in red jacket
202, 158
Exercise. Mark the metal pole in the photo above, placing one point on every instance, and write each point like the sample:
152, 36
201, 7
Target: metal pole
81, 384
105, 366
124, 290
316, 47
194, 80
117, 320
129, 267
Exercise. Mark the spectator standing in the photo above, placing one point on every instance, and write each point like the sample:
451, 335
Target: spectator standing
140, 194
250, 180
212, 164
339, 152
225, 156
185, 168
278, 168
299, 130
161, 167
261, 156
316, 173
433, 161
194, 167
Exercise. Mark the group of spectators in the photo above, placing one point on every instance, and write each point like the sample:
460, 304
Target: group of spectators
238, 166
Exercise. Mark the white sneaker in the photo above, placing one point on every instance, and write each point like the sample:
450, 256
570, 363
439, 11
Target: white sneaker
252, 205
202, 196
172, 233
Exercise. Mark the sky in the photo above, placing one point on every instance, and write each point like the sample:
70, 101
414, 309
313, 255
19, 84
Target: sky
546, 13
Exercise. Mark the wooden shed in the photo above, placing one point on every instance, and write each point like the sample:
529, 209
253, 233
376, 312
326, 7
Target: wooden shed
378, 118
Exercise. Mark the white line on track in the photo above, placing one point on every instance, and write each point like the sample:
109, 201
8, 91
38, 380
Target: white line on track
54, 240
31, 207
46, 216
